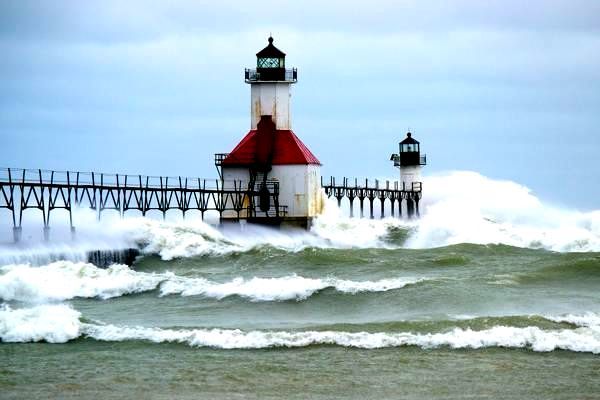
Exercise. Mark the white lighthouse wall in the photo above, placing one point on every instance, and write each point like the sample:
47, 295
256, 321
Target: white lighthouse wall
299, 188
231, 175
271, 98
410, 174
235, 174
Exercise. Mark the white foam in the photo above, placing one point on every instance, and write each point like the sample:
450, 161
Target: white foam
466, 207
61, 323
338, 230
176, 239
56, 323
579, 340
277, 289
39, 254
588, 319
457, 207
63, 280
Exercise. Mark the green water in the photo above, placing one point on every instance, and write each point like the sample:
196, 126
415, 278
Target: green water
134, 369
465, 287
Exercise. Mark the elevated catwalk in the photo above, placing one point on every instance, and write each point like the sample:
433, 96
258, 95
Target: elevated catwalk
395, 193
46, 191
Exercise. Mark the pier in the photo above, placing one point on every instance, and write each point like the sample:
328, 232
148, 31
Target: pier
47, 190
254, 201
394, 193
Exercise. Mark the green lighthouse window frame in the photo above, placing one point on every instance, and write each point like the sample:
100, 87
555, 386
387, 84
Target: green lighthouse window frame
270, 62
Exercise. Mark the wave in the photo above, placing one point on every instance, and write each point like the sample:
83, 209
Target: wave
588, 319
52, 323
65, 280
278, 289
457, 207
183, 239
61, 323
466, 207
578, 340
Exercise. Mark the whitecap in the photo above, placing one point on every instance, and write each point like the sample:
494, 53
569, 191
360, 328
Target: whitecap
63, 280
534, 338
53, 323
278, 289
61, 323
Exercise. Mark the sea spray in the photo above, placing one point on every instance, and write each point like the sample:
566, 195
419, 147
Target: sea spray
340, 231
489, 212
457, 207
466, 207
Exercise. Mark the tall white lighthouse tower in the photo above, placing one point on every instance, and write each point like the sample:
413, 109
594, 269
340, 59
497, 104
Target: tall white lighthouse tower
271, 157
270, 87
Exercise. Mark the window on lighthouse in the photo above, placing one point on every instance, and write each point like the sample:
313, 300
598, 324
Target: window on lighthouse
409, 148
270, 63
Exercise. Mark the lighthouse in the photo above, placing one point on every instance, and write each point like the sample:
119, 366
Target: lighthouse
271, 159
410, 161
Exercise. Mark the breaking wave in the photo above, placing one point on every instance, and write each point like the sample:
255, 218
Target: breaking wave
65, 280
278, 289
579, 340
489, 212
56, 323
61, 323
457, 207
587, 319
466, 207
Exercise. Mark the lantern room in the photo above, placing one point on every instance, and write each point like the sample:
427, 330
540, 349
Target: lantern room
270, 57
270, 66
410, 153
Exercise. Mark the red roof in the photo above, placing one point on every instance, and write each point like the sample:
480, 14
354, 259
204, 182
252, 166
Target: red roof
288, 150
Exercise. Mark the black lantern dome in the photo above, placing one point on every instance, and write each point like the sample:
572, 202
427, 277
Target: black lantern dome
409, 145
270, 57
410, 153
270, 66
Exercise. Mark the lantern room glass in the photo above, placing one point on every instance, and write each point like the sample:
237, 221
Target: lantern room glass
270, 62
410, 148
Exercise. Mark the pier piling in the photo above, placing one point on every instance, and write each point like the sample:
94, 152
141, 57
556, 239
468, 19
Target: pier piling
392, 193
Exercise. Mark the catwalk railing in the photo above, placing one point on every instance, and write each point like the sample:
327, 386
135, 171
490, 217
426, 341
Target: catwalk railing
394, 193
46, 191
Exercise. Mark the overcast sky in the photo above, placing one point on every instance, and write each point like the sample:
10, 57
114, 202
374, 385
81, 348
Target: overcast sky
507, 89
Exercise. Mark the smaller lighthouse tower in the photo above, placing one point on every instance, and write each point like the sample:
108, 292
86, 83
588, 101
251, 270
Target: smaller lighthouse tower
409, 160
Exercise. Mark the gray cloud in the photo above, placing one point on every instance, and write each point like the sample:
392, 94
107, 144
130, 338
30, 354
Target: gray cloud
137, 20
489, 86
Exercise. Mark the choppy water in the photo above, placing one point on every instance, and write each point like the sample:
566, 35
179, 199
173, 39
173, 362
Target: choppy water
496, 299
